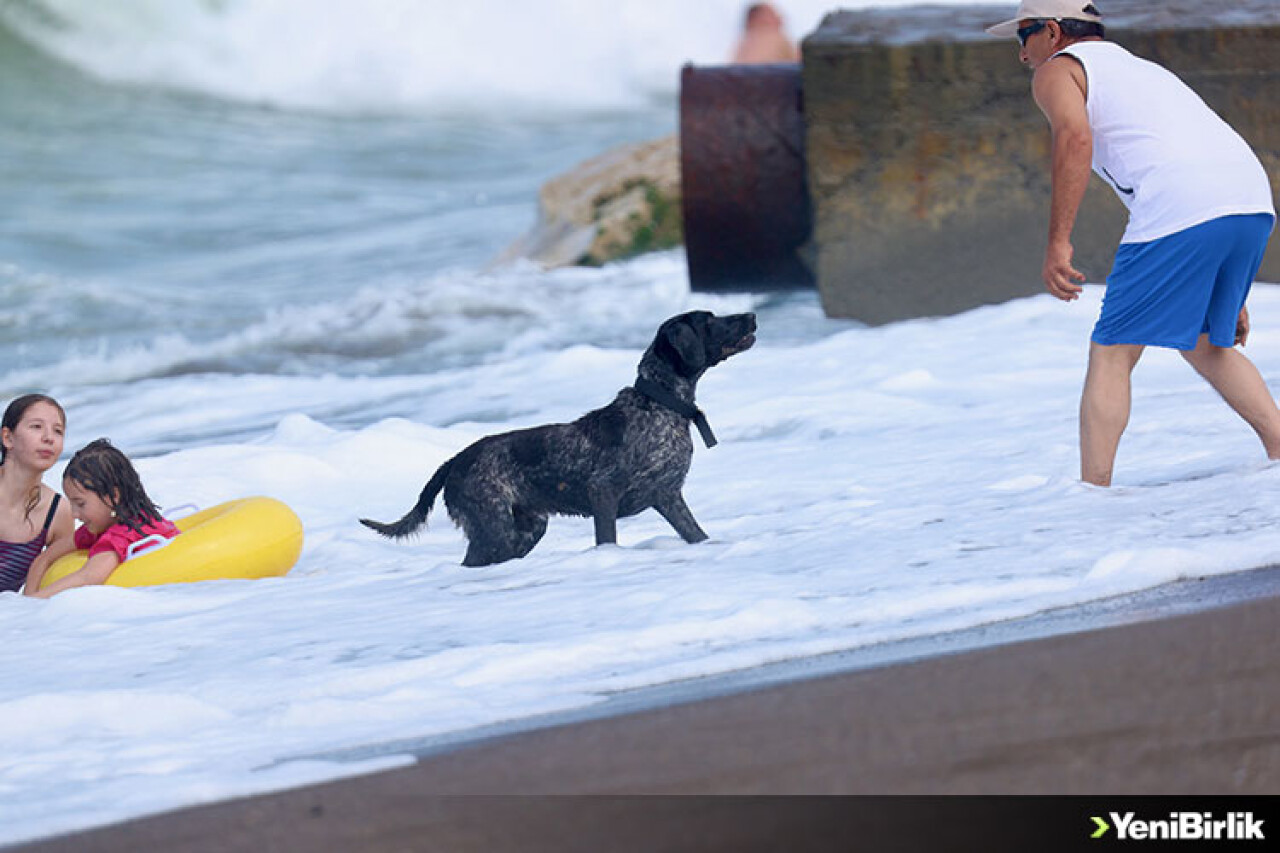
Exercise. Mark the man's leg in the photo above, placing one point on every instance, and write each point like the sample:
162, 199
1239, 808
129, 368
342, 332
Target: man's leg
1233, 376
1104, 408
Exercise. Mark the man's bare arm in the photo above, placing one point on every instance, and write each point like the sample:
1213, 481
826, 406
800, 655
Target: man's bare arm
1059, 89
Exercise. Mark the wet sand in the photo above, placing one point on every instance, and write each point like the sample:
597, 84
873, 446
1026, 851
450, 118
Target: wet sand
1172, 692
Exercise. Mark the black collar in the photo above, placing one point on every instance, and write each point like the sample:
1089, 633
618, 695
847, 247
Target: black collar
663, 397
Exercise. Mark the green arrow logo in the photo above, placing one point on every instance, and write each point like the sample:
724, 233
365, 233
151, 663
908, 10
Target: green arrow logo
1102, 828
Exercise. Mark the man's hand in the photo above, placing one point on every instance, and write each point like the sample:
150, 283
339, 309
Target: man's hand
1060, 277
1242, 327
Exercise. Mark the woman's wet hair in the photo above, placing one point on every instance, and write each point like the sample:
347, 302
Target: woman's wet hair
101, 468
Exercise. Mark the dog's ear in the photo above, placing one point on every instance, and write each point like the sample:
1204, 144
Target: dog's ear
687, 354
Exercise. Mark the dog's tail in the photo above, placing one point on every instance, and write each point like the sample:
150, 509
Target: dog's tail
417, 516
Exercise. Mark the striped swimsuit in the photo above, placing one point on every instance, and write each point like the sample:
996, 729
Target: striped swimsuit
16, 558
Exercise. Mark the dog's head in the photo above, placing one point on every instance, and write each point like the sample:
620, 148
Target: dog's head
690, 343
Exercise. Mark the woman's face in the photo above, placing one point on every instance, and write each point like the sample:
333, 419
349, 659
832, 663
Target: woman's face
88, 506
37, 439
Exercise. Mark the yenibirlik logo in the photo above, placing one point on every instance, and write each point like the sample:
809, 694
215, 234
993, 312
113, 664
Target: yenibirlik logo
1180, 826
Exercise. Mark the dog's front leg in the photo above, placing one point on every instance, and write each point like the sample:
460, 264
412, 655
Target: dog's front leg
678, 515
604, 512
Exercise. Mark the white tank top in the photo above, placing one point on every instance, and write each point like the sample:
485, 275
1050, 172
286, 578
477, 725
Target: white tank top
1172, 160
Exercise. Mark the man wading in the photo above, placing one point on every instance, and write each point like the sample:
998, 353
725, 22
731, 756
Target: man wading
1200, 215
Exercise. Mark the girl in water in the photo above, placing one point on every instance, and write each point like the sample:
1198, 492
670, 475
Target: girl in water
107, 495
33, 516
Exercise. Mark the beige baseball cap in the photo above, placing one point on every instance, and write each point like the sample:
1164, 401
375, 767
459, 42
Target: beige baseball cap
1079, 10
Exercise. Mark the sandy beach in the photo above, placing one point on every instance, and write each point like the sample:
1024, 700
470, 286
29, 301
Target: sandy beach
1173, 692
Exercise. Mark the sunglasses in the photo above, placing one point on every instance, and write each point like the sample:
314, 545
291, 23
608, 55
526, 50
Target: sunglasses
1029, 30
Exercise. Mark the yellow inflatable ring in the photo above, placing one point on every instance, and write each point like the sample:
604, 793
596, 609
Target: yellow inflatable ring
248, 538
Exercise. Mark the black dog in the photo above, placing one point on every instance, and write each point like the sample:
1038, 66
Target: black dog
612, 463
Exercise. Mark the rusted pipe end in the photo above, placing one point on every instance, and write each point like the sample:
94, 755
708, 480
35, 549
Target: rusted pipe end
747, 216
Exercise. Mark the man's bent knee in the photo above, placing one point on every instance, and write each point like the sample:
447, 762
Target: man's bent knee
1121, 356
1205, 350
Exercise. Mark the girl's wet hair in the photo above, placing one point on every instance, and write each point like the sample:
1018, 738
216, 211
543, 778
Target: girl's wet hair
12, 417
101, 468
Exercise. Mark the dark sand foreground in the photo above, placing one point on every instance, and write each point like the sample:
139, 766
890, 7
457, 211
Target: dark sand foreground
1181, 703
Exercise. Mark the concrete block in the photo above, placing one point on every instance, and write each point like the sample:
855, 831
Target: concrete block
928, 160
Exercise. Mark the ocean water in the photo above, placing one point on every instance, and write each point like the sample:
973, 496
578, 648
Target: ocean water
253, 243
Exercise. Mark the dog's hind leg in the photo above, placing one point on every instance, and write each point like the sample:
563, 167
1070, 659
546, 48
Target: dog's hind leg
493, 543
677, 513
478, 556
530, 528
494, 532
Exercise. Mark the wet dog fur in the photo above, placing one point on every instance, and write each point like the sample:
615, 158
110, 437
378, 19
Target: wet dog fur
611, 463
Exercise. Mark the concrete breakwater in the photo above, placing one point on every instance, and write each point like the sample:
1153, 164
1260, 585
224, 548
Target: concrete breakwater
928, 160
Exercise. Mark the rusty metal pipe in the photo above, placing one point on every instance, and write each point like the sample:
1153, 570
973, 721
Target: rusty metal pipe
747, 216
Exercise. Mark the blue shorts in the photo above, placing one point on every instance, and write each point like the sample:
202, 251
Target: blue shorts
1170, 291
